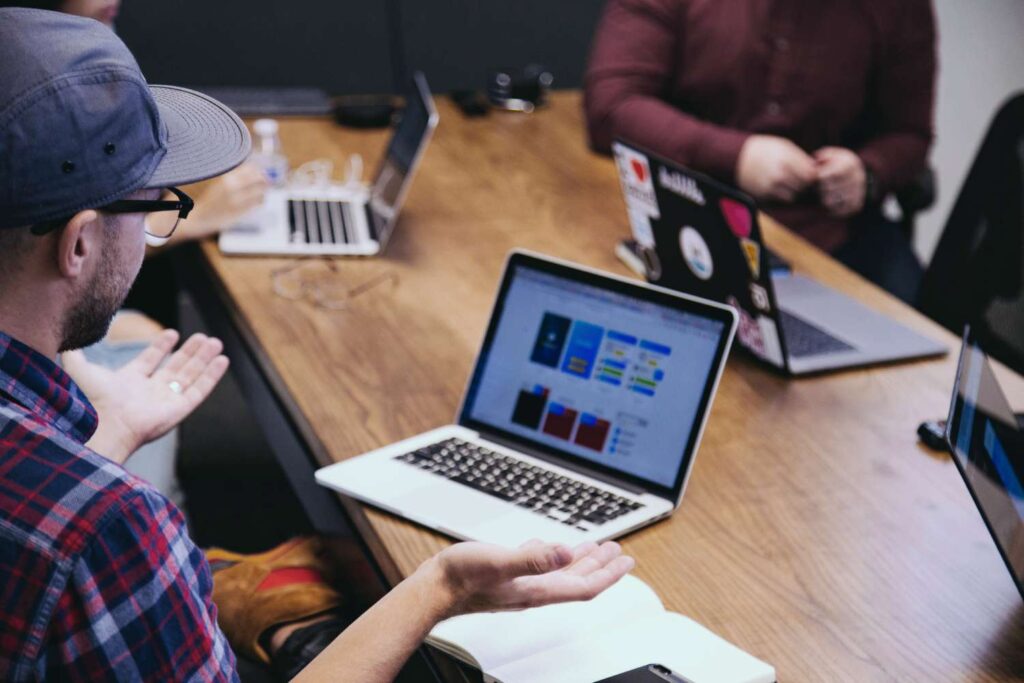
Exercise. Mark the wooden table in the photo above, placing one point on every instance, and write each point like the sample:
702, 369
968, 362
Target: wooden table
816, 533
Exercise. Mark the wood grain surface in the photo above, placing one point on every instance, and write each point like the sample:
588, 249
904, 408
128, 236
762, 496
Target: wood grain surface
816, 533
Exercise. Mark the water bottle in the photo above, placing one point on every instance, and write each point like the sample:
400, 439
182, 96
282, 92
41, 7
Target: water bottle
267, 153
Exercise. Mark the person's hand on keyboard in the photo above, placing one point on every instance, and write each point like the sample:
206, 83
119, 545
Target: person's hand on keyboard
479, 577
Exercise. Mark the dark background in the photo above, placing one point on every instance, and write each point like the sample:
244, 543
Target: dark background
342, 45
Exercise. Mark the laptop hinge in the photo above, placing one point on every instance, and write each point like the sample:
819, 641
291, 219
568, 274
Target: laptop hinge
554, 460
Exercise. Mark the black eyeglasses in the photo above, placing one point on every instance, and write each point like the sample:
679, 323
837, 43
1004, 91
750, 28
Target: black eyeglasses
183, 205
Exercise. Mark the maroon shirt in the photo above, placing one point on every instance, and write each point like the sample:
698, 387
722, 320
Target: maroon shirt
691, 79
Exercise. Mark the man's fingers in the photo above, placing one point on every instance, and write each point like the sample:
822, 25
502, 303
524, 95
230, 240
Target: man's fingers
149, 360
583, 549
180, 357
545, 590
197, 392
539, 559
596, 559
196, 365
783, 192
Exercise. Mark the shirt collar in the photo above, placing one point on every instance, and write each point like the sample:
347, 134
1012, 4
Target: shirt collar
40, 386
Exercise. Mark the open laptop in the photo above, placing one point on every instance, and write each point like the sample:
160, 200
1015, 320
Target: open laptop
340, 220
986, 438
702, 237
581, 419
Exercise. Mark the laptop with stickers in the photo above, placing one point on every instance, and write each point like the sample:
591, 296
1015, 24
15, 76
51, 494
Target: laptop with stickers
699, 236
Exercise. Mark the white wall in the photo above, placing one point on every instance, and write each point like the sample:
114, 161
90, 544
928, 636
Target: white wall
981, 61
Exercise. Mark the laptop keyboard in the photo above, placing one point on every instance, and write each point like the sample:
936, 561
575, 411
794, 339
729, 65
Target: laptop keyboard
321, 222
804, 339
539, 490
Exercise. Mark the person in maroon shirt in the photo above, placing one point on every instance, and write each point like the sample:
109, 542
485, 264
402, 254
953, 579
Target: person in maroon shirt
817, 109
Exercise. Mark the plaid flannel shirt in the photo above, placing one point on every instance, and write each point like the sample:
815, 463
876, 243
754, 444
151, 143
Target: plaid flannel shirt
98, 577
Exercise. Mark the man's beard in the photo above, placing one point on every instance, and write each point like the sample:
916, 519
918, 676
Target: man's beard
89, 321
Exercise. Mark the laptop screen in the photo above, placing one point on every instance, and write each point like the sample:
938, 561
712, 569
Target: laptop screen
407, 144
986, 434
599, 371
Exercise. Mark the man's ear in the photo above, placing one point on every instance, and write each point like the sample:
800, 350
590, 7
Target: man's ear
80, 240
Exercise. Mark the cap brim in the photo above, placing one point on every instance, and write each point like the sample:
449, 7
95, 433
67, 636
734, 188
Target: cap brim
204, 137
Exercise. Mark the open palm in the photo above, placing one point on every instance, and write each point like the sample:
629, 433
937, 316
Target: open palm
147, 397
487, 578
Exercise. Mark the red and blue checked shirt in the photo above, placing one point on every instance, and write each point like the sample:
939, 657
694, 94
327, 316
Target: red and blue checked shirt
98, 577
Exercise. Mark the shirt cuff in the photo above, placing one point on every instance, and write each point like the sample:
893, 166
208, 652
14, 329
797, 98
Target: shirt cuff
874, 161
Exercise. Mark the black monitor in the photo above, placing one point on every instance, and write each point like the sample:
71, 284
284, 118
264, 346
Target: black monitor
986, 436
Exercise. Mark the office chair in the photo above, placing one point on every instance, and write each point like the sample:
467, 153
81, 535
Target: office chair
975, 275
916, 197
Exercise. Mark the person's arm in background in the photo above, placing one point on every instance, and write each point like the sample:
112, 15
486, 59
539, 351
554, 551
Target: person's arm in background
903, 99
628, 78
629, 75
220, 203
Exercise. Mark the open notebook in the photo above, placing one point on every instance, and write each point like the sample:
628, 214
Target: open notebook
581, 642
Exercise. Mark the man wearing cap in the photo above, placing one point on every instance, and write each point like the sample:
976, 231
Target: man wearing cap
98, 577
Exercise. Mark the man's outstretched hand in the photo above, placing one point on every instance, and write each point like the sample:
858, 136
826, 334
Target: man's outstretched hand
487, 578
147, 397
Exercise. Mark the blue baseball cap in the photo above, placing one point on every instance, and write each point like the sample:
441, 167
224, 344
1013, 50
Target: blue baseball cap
81, 128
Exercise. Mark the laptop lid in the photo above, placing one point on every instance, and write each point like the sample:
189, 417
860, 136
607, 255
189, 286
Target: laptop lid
604, 375
702, 237
986, 437
395, 173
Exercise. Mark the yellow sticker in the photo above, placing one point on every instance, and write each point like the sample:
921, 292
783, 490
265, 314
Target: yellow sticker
752, 250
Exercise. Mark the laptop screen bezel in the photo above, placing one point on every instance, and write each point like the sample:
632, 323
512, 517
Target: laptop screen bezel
956, 413
641, 291
420, 89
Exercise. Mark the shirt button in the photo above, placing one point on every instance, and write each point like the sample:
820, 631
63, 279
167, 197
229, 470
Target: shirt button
774, 108
781, 44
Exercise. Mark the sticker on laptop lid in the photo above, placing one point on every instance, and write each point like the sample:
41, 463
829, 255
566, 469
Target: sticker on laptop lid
682, 185
759, 336
737, 216
748, 331
637, 182
696, 253
759, 295
752, 252
643, 233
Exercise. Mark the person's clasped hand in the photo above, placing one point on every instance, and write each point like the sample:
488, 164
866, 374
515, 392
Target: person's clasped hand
842, 180
771, 168
147, 397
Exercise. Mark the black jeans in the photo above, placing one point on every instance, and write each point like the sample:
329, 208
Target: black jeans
880, 251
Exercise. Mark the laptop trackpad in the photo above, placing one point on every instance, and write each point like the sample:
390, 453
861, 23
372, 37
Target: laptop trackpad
451, 504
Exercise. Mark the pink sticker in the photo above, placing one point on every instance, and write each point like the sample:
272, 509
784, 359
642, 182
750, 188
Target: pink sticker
737, 215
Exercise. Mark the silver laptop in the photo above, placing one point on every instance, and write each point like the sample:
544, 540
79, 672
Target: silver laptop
581, 419
339, 220
699, 236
